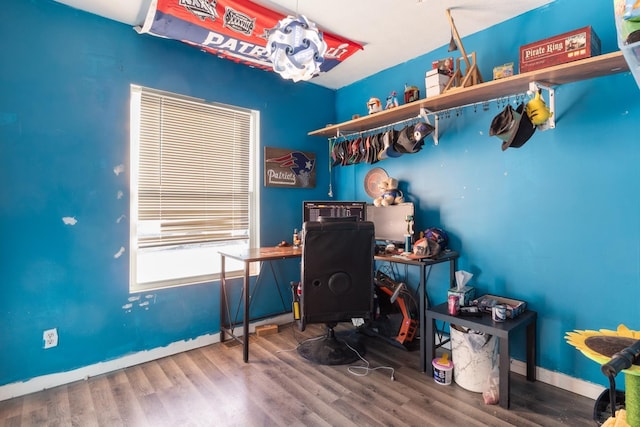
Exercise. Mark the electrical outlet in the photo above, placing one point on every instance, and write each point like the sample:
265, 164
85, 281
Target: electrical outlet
50, 338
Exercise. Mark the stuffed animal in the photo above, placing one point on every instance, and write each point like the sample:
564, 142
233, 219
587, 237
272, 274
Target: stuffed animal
390, 193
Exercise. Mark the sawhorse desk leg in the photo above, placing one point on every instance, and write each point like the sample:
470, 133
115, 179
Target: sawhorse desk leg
245, 320
223, 299
225, 315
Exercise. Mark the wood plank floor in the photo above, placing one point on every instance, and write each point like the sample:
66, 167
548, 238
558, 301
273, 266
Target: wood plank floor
211, 386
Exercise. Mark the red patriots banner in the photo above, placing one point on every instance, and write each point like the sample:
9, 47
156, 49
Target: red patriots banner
232, 29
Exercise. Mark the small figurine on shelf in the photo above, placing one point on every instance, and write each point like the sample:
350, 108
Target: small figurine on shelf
374, 105
392, 101
408, 237
411, 93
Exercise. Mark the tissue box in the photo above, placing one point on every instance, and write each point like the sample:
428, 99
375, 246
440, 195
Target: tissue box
435, 81
514, 306
577, 44
465, 295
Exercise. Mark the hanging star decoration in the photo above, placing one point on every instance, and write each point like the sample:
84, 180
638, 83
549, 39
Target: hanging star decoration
296, 48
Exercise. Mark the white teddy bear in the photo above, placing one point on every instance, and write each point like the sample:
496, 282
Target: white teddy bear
390, 193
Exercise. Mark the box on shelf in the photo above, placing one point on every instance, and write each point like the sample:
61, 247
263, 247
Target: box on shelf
435, 81
444, 66
514, 307
502, 71
465, 295
571, 46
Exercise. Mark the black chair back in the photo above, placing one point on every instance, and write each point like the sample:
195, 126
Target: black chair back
337, 271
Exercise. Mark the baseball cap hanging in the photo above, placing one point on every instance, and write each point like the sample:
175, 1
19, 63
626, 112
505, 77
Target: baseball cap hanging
422, 130
388, 143
370, 149
411, 138
375, 147
513, 127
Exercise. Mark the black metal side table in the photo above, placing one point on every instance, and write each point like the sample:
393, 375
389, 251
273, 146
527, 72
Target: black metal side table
485, 324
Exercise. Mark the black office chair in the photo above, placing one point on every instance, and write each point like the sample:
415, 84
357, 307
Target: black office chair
336, 286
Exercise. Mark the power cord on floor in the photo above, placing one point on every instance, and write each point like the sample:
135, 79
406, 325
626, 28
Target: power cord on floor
359, 371
367, 369
293, 329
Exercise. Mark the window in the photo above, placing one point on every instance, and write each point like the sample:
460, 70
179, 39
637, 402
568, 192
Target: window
194, 190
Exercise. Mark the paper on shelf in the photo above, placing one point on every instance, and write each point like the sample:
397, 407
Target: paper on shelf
462, 278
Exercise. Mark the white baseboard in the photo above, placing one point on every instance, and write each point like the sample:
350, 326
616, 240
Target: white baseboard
560, 380
53, 380
44, 382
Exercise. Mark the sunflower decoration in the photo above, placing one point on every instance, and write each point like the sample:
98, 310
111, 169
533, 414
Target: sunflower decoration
600, 346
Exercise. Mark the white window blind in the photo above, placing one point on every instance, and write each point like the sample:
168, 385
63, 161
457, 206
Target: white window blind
192, 176
194, 171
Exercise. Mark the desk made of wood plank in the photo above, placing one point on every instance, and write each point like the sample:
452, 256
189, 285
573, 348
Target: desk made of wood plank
247, 257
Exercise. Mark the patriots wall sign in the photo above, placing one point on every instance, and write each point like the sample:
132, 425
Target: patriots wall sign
286, 168
234, 29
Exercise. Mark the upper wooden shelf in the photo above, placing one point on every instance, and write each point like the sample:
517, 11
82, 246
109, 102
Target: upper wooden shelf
601, 65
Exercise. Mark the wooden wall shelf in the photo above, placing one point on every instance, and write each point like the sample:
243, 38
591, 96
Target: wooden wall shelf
597, 66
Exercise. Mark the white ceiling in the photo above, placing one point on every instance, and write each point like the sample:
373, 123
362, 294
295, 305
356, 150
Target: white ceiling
391, 31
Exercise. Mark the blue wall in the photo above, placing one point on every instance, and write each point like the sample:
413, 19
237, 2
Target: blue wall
555, 223
64, 127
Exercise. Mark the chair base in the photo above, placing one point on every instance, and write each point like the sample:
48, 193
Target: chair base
332, 349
